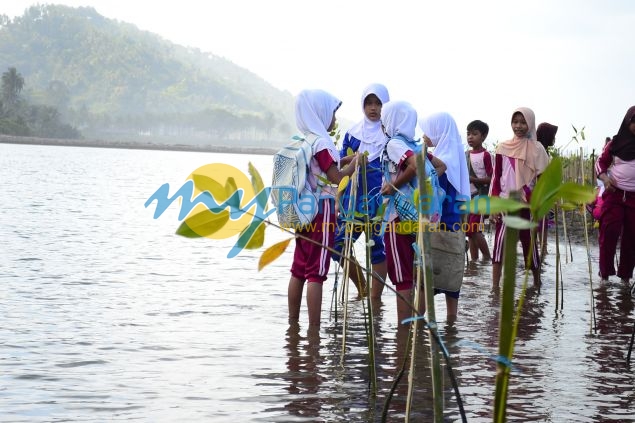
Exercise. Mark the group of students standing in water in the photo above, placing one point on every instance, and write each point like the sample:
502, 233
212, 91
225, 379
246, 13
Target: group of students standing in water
382, 137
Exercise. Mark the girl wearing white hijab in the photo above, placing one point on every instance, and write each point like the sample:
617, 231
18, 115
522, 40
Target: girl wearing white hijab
366, 136
400, 118
440, 131
315, 114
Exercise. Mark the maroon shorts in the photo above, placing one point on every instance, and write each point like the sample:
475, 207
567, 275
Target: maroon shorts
474, 224
400, 257
310, 260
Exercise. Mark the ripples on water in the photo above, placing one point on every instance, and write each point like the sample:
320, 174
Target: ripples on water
107, 315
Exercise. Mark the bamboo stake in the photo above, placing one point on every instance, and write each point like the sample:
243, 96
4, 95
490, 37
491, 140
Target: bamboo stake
566, 237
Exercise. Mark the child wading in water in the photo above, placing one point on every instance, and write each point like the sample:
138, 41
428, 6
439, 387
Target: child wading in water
441, 133
315, 114
480, 165
517, 164
399, 119
366, 136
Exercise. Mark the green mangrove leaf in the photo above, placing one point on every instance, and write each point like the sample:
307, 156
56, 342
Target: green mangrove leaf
575, 193
323, 180
253, 236
272, 253
205, 183
259, 186
381, 210
343, 183
231, 188
544, 193
202, 224
493, 205
569, 206
256, 179
518, 222
569, 192
349, 151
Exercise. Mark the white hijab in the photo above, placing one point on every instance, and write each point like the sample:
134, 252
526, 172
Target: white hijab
314, 111
399, 117
448, 147
368, 132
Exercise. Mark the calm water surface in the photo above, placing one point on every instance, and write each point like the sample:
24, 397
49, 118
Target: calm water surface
106, 315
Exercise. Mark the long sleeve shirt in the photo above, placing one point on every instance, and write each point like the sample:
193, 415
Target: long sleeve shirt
622, 172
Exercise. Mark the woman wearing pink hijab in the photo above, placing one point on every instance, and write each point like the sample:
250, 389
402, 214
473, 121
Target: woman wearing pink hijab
517, 164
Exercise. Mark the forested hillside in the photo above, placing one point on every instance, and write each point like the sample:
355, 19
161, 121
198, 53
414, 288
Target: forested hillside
110, 80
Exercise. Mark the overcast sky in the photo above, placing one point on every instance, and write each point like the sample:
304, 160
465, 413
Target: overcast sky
571, 61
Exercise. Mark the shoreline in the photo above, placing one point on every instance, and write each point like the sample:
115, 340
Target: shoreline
575, 223
61, 142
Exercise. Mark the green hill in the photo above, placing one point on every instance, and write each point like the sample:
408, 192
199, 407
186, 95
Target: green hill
111, 80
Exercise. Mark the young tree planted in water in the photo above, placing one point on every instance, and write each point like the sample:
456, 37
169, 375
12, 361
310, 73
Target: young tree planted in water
548, 190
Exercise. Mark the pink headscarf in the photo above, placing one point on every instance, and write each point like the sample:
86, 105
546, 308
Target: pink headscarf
531, 157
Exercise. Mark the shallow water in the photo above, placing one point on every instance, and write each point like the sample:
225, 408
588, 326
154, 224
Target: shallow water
106, 315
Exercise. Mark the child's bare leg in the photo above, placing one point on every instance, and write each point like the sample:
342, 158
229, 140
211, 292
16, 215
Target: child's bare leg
473, 247
536, 274
378, 287
314, 302
404, 310
294, 298
497, 269
480, 240
356, 274
452, 305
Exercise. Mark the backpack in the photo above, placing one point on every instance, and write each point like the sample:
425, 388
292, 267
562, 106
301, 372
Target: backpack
296, 204
403, 204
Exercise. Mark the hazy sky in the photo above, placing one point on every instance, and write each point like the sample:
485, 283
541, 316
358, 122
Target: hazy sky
571, 61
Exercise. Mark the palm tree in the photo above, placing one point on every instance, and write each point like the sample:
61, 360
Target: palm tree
12, 84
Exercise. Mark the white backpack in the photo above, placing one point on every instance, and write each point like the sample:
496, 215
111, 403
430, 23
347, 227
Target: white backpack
296, 204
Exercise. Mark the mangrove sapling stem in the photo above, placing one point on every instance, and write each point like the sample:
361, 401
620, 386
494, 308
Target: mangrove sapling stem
346, 252
333, 308
379, 278
369, 287
588, 250
557, 237
506, 323
424, 283
567, 238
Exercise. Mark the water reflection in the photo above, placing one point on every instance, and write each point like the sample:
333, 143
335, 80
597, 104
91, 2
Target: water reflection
612, 381
303, 377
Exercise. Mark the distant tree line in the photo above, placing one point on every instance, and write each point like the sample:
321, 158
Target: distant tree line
19, 117
110, 80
